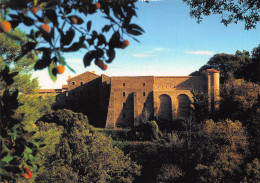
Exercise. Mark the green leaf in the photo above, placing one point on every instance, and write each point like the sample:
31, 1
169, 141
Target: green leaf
25, 154
35, 168
134, 32
62, 60
31, 158
7, 159
35, 143
135, 27
71, 69
88, 58
111, 55
89, 25
68, 37
14, 134
51, 71
28, 150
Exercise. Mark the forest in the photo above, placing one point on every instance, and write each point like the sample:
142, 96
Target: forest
39, 144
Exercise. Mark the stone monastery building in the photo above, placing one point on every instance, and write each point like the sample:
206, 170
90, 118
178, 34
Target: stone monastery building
124, 101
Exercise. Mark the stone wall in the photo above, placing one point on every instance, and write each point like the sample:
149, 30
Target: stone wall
136, 99
127, 101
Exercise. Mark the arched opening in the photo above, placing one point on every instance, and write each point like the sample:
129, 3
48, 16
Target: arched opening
165, 109
184, 108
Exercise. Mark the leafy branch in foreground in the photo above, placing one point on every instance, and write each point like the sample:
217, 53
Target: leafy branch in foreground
247, 11
61, 26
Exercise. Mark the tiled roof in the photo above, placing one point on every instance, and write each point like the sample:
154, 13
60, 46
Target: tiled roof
82, 74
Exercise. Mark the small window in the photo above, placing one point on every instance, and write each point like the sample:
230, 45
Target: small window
123, 94
124, 105
143, 84
143, 93
73, 83
81, 83
123, 84
67, 94
124, 115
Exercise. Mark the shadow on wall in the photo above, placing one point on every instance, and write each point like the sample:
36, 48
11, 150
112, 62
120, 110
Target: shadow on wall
148, 109
126, 116
91, 99
198, 83
184, 107
165, 109
165, 120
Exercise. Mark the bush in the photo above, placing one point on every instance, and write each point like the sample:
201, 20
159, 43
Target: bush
252, 172
148, 131
65, 118
169, 173
117, 134
223, 147
150, 156
88, 156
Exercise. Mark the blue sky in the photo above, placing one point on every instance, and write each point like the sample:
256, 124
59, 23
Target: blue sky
173, 44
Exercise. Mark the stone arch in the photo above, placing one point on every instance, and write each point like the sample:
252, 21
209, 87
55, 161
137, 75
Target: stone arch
165, 109
184, 107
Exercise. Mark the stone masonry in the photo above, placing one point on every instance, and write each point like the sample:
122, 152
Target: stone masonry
125, 101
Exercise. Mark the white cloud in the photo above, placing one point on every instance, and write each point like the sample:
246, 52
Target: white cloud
143, 55
200, 52
158, 49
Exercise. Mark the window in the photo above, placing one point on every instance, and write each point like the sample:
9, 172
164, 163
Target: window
67, 94
123, 84
143, 93
124, 105
143, 84
124, 116
81, 83
123, 94
73, 82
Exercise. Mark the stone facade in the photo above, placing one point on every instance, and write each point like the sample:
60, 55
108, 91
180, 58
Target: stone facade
126, 101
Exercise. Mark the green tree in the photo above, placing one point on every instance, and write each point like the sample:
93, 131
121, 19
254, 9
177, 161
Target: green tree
17, 84
65, 118
223, 148
84, 155
18, 147
226, 64
199, 106
237, 98
255, 66
230, 11
242, 65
